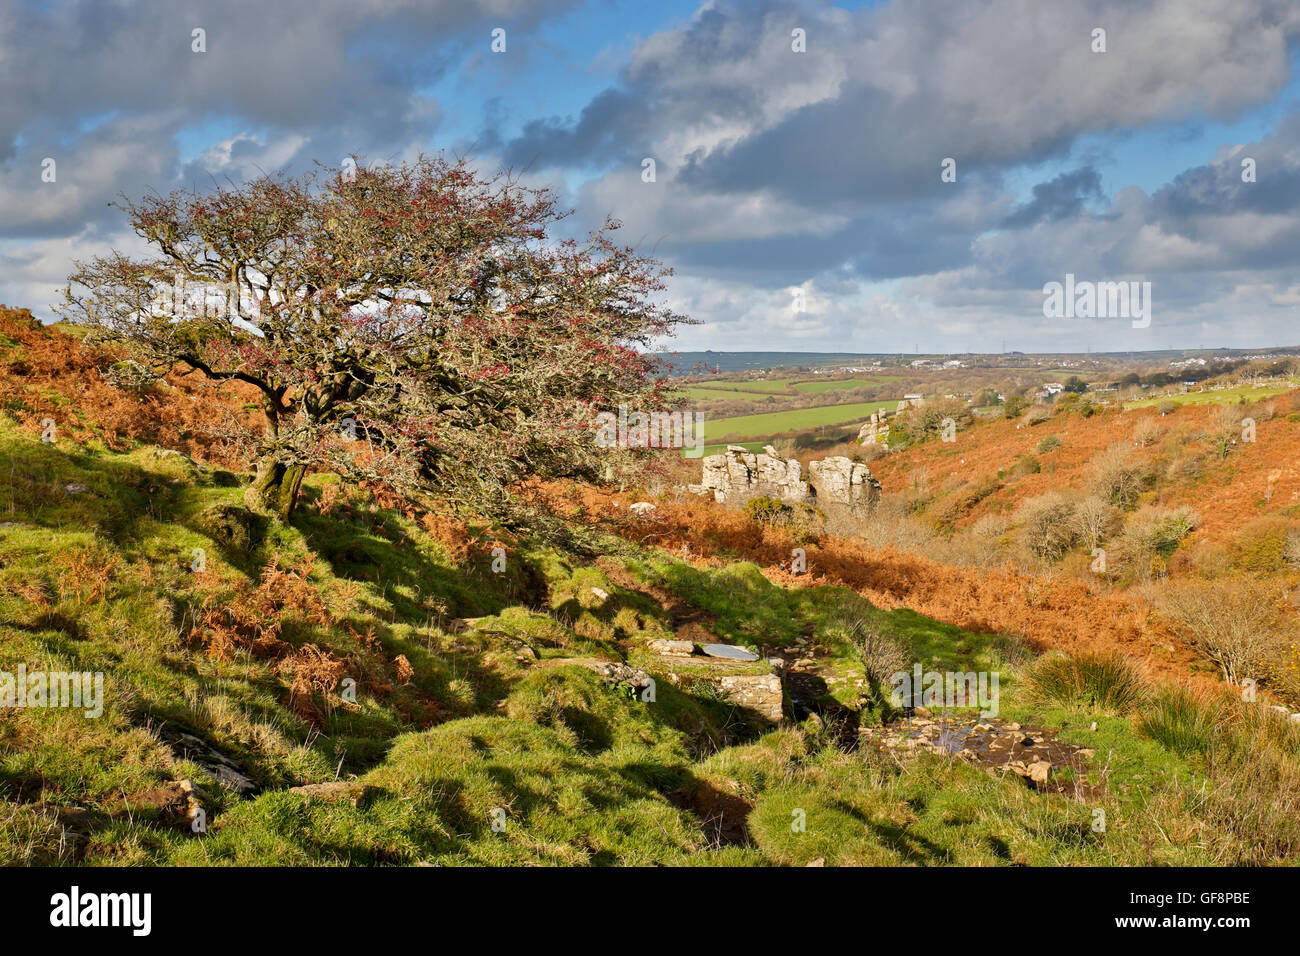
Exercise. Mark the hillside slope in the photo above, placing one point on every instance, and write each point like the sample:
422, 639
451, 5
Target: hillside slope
372, 685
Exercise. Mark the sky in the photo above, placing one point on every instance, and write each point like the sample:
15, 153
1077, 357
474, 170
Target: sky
799, 148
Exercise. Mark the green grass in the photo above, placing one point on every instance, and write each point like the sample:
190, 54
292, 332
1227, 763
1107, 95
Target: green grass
764, 426
1096, 683
1180, 721
704, 394
1227, 396
492, 725
754, 446
820, 385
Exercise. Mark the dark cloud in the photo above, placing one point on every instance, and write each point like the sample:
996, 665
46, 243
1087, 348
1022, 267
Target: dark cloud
1061, 197
606, 132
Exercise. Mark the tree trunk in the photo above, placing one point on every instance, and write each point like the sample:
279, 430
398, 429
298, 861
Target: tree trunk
275, 489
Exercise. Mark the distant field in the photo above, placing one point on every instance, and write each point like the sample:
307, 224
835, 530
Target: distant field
817, 387
702, 393
1227, 396
785, 385
765, 387
756, 427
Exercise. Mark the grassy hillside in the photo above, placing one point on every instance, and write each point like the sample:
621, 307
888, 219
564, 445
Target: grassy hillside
466, 705
1221, 396
364, 686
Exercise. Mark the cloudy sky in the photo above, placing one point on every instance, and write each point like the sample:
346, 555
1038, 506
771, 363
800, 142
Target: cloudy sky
776, 170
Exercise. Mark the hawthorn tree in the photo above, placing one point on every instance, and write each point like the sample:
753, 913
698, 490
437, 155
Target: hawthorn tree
410, 325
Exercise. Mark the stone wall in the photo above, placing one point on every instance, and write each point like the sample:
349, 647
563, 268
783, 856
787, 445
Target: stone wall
739, 475
761, 694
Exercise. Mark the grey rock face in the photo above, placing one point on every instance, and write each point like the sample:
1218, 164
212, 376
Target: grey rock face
843, 481
740, 474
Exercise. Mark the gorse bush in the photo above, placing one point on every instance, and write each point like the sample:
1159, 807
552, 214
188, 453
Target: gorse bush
1160, 530
768, 510
1101, 683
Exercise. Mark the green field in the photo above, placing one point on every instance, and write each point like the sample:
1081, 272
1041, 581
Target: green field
1227, 396
778, 386
764, 387
755, 427
700, 393
718, 449
817, 387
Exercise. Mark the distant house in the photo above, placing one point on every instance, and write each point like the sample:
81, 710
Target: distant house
1052, 388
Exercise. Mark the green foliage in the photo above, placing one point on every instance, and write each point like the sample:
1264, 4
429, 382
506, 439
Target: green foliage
1014, 406
768, 510
1180, 720
495, 715
1099, 683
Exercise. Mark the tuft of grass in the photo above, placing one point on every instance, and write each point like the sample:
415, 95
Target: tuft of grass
1101, 683
1180, 720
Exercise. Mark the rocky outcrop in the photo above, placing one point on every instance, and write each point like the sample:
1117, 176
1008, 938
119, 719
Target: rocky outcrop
875, 431
843, 481
740, 475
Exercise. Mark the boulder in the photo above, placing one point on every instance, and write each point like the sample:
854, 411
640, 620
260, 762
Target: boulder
729, 652
670, 648
335, 791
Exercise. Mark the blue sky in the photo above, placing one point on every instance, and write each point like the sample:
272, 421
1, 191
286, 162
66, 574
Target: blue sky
778, 171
